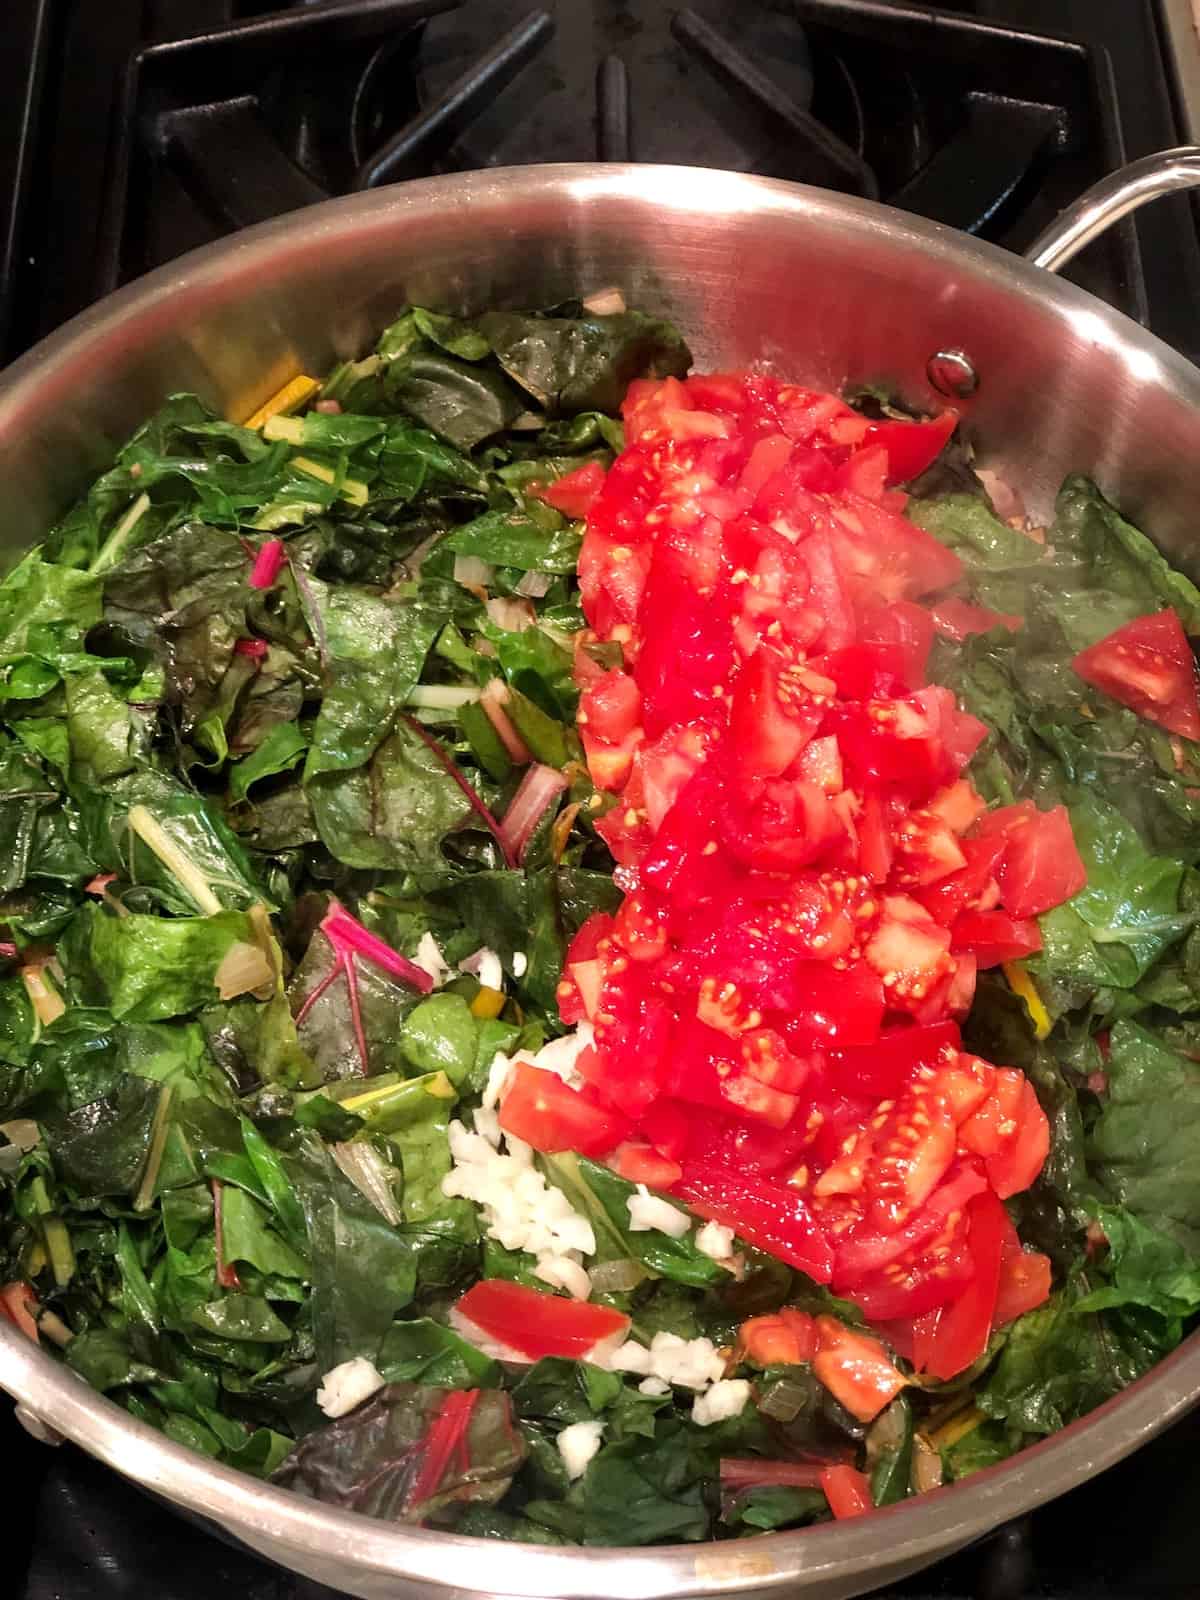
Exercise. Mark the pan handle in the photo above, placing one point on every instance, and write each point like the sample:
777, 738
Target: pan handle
1111, 199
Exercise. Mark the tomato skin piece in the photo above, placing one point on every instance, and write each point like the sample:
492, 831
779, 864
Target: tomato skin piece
911, 446
1040, 867
965, 1324
1147, 665
771, 1216
641, 1163
847, 1490
785, 1338
536, 1323
575, 492
547, 1113
957, 619
994, 937
855, 1368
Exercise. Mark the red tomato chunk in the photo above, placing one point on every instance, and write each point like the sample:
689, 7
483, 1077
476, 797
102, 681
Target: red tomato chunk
811, 882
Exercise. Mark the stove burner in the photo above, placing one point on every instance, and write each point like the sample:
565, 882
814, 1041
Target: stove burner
257, 117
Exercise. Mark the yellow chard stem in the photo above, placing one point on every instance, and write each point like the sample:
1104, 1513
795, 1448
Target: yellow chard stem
177, 861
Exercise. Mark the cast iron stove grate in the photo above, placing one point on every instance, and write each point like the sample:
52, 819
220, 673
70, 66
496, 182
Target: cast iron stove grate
267, 111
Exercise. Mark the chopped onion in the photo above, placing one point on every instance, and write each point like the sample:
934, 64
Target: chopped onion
22, 1132
493, 700
534, 585
328, 408
615, 1277
926, 1465
605, 302
371, 1176
244, 967
785, 1400
442, 697
538, 788
514, 616
54, 1328
473, 573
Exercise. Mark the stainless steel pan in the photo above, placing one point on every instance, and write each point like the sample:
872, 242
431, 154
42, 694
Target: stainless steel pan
830, 290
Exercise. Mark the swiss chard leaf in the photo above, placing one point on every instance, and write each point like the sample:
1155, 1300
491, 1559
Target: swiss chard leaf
1145, 1146
583, 363
374, 1460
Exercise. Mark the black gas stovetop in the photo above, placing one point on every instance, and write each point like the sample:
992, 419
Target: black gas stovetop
133, 130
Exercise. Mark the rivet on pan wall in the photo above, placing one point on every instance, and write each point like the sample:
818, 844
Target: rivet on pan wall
951, 373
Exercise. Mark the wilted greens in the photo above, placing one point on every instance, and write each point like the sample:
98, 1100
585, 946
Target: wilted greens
262, 684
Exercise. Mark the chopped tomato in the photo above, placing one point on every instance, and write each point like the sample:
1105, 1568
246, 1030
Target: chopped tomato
641, 1163
911, 446
610, 706
856, 1369
1040, 866
777, 708
863, 1250
18, 1304
785, 1338
772, 1216
538, 1324
909, 951
965, 1324
906, 625
890, 556
1024, 1278
847, 1490
1020, 1160
1010, 1132
809, 885
881, 1069
1148, 666
994, 936
548, 1114
574, 492
667, 1126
